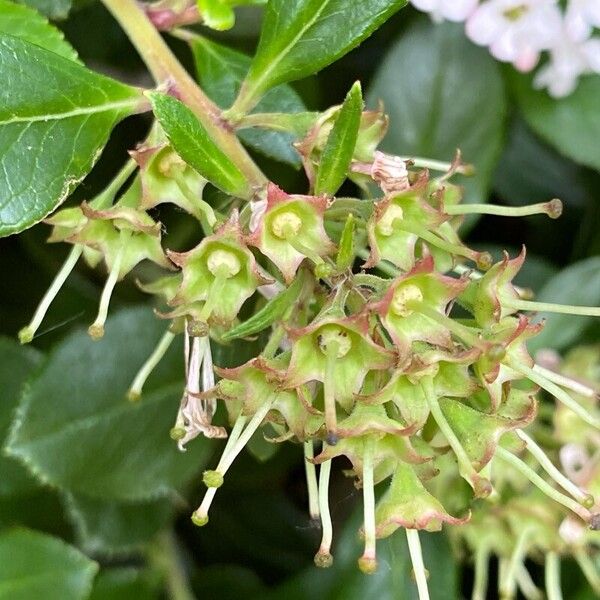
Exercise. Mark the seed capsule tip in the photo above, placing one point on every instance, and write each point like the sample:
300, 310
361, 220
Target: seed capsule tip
212, 479
96, 331
323, 560
367, 565
199, 520
26, 335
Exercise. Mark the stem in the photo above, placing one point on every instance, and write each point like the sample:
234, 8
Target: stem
552, 576
311, 480
460, 331
542, 485
527, 585
558, 393
213, 297
589, 569
96, 329
164, 67
323, 557
368, 562
200, 516
566, 309
275, 339
197, 206
464, 462
416, 557
165, 556
436, 165
328, 391
107, 196
553, 209
567, 382
507, 585
546, 464
480, 585
26, 334
383, 266
135, 391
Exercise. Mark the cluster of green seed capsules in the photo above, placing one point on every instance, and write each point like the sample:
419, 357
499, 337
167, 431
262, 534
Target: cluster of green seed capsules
387, 340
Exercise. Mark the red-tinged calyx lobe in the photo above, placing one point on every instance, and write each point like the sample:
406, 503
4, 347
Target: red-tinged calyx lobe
290, 230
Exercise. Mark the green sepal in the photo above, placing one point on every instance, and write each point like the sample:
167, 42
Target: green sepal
408, 504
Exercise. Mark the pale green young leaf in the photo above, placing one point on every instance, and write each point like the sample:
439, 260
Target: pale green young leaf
110, 528
55, 117
23, 22
577, 284
221, 71
570, 124
346, 251
124, 451
339, 148
17, 364
300, 38
422, 83
191, 141
35, 565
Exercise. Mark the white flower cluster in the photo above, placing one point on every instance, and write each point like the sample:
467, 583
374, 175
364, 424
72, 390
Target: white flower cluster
517, 31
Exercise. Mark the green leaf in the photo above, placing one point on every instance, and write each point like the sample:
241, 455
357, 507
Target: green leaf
54, 9
33, 565
420, 80
123, 450
530, 171
23, 22
191, 141
571, 124
16, 366
126, 583
273, 310
221, 72
114, 528
300, 38
55, 117
339, 148
578, 284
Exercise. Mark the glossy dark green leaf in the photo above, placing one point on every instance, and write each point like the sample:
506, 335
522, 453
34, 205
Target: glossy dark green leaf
191, 141
33, 565
570, 124
339, 148
16, 365
577, 284
93, 441
221, 72
273, 310
116, 528
126, 583
23, 22
55, 117
345, 256
530, 171
423, 82
54, 9
300, 38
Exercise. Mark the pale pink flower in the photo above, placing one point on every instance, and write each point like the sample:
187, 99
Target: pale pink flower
581, 17
569, 59
516, 31
450, 10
